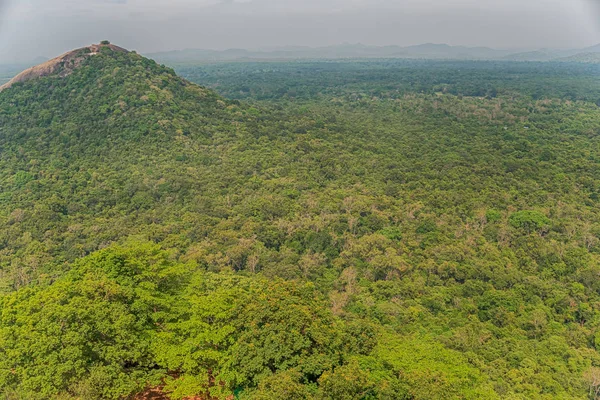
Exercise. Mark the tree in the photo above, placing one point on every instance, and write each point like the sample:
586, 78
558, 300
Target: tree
89, 333
529, 221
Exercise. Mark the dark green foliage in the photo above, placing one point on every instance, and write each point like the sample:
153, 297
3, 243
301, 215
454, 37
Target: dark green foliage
392, 233
287, 328
493, 215
393, 78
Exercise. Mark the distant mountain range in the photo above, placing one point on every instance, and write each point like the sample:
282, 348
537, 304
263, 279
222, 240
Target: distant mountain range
423, 51
588, 54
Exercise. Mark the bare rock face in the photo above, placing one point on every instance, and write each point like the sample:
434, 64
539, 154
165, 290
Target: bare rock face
62, 65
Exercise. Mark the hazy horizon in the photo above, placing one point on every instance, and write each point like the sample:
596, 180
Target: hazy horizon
34, 28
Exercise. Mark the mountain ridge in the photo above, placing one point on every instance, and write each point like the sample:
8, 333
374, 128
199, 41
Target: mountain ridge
358, 50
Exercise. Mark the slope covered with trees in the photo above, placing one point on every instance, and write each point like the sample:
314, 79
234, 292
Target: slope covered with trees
348, 245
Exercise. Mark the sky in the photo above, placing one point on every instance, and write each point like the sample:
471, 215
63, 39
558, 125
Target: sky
46, 28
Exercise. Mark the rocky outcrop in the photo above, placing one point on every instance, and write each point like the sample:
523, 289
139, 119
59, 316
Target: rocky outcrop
62, 65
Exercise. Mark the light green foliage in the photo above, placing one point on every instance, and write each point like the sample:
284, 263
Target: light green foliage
529, 221
89, 333
282, 385
432, 371
198, 342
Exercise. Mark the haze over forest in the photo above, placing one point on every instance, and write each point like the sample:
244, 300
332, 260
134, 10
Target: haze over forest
39, 28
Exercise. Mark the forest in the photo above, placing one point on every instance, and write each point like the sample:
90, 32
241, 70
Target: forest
306, 80
342, 230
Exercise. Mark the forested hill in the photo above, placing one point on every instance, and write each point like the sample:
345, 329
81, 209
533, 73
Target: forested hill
155, 236
106, 143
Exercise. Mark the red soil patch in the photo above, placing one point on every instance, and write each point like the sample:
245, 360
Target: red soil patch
157, 393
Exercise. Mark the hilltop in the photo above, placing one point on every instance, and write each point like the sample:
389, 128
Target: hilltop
62, 65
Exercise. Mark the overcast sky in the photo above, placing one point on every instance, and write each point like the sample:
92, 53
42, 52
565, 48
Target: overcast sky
32, 28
